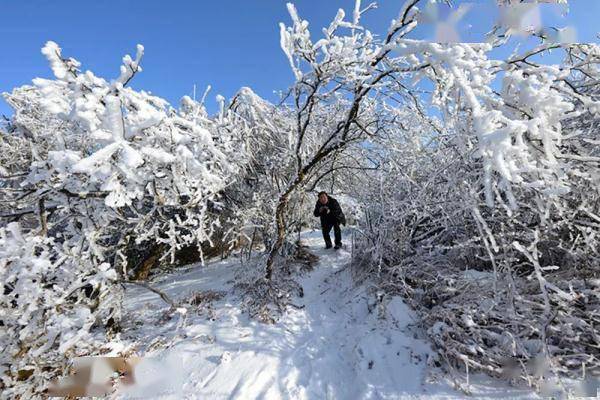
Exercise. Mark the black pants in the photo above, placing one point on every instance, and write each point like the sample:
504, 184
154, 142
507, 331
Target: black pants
326, 228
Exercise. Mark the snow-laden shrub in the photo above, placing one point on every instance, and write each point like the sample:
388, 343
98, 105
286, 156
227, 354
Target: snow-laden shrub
92, 169
488, 225
128, 166
50, 303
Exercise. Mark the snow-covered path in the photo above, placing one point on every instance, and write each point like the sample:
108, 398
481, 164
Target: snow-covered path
340, 350
333, 348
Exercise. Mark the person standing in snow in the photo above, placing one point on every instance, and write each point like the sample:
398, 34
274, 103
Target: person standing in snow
330, 212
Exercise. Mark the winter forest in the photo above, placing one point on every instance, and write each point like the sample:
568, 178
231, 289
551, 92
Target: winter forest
131, 227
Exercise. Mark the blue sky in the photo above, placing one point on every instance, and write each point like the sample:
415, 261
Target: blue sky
227, 44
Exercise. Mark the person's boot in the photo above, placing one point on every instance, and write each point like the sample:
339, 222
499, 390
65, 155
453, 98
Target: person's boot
327, 245
338, 246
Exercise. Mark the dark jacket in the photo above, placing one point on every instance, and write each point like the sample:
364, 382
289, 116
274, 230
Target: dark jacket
335, 214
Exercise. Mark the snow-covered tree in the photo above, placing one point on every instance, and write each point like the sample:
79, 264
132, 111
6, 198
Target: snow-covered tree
501, 181
344, 79
92, 168
335, 99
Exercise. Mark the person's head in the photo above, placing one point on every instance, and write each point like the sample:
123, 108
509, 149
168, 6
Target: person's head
323, 197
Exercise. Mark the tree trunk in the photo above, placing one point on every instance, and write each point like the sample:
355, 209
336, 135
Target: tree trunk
283, 201
43, 217
251, 244
280, 221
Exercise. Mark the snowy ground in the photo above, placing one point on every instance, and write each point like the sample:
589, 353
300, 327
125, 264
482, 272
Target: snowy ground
333, 348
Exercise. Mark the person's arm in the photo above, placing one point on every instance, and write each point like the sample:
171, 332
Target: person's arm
336, 210
316, 212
